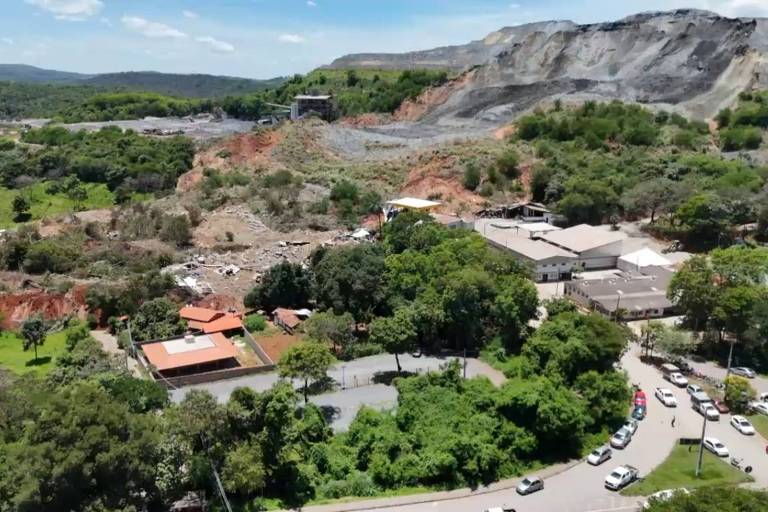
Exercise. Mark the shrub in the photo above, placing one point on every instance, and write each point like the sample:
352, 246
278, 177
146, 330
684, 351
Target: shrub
255, 323
471, 178
507, 163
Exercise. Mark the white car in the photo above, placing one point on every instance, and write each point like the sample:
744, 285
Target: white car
600, 455
710, 411
715, 446
662, 496
621, 477
678, 379
631, 425
666, 397
743, 425
761, 408
693, 388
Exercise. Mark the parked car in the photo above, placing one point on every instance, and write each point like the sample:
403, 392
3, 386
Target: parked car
685, 366
715, 446
600, 455
662, 496
693, 389
666, 397
708, 410
678, 379
500, 509
640, 398
743, 425
760, 407
621, 477
639, 412
631, 425
743, 371
722, 407
529, 485
621, 438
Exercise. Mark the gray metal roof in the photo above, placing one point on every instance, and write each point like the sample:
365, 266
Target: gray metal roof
583, 237
635, 292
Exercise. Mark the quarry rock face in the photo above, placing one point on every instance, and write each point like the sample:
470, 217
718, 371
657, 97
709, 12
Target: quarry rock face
692, 61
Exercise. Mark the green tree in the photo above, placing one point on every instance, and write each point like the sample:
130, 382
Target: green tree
309, 360
243, 472
471, 179
284, 285
507, 164
738, 393
328, 327
397, 333
514, 307
649, 197
559, 305
693, 291
156, 319
713, 499
21, 208
33, 333
176, 229
734, 307
676, 342
706, 218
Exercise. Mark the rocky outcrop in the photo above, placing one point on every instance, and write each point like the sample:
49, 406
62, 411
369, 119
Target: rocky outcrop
690, 60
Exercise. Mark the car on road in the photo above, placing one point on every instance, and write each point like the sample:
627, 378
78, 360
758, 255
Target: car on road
662, 496
621, 438
621, 477
530, 484
708, 410
666, 397
715, 446
743, 371
639, 412
722, 407
631, 425
500, 509
760, 407
743, 425
678, 379
600, 455
640, 398
693, 388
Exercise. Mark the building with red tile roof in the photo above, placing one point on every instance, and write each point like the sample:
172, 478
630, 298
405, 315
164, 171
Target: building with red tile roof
191, 354
195, 314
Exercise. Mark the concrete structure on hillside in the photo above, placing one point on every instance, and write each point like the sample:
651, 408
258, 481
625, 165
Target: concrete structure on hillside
393, 207
638, 260
526, 211
308, 104
548, 262
595, 247
190, 355
636, 295
452, 221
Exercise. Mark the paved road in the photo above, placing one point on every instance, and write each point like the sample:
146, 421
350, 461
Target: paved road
580, 489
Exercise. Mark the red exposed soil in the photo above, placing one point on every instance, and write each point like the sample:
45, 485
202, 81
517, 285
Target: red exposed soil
364, 120
413, 110
17, 307
249, 150
437, 178
220, 302
276, 344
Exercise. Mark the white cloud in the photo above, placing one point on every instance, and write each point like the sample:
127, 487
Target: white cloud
311, 3
152, 29
8, 41
69, 10
291, 38
190, 15
216, 45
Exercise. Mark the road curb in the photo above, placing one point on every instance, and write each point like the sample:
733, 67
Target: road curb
420, 499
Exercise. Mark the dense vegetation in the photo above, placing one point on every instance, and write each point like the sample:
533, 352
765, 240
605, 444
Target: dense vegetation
714, 499
725, 293
125, 161
131, 105
742, 128
604, 162
24, 101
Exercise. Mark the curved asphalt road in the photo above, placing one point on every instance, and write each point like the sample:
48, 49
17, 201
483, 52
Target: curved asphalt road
580, 489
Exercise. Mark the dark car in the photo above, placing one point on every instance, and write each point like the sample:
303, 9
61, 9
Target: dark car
639, 412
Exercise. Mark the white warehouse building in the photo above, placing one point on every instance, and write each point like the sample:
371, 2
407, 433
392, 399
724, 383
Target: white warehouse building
595, 247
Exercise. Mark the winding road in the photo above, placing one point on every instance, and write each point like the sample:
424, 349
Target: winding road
579, 488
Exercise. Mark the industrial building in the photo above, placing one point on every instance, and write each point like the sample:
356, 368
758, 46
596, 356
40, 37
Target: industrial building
320, 105
595, 247
635, 295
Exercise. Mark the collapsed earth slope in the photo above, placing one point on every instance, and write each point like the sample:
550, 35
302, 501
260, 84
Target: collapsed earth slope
692, 60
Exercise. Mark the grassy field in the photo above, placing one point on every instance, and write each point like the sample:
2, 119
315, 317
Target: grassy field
679, 470
44, 204
15, 359
760, 422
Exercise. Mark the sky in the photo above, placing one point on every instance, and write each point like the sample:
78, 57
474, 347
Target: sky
268, 38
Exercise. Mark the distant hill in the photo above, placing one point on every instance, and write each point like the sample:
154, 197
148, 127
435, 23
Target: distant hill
190, 86
33, 75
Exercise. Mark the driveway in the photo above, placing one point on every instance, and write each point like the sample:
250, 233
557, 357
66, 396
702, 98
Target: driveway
580, 488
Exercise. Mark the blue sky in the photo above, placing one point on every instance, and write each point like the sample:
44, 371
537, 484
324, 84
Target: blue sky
266, 38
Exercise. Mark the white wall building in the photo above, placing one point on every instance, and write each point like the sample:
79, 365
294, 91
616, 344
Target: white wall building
595, 247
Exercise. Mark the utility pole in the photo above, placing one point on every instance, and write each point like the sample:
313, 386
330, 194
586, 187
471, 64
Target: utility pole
701, 447
730, 358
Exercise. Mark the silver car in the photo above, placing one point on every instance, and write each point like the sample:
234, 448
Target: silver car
600, 455
743, 371
530, 484
621, 438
